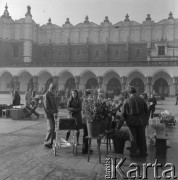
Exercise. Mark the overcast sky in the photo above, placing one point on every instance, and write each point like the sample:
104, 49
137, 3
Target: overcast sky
76, 10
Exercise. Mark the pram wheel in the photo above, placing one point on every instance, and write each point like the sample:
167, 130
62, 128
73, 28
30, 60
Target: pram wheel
74, 150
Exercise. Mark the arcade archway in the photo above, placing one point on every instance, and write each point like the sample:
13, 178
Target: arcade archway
30, 84
138, 84
92, 83
114, 85
70, 84
161, 87
48, 82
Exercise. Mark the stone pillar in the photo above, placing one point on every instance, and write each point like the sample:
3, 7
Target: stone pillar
69, 50
106, 51
175, 85
77, 82
148, 85
55, 80
100, 81
16, 83
123, 82
148, 51
87, 51
35, 83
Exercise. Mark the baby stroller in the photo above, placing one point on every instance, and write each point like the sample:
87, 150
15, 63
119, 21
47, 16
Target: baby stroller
65, 124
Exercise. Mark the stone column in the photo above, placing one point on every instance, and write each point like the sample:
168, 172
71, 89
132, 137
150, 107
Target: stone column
106, 51
87, 51
175, 85
77, 82
148, 84
16, 83
35, 83
123, 82
69, 50
100, 81
55, 80
148, 51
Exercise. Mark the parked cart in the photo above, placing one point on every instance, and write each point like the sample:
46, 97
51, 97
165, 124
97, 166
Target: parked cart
166, 118
169, 121
65, 124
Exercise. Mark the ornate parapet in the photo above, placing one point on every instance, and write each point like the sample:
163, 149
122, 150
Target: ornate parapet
121, 63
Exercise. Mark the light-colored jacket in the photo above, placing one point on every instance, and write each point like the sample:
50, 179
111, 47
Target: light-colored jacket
28, 97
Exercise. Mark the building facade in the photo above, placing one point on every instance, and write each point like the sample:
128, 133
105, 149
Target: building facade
88, 55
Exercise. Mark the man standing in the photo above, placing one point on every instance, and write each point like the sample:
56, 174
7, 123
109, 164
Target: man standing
153, 102
51, 111
135, 113
28, 97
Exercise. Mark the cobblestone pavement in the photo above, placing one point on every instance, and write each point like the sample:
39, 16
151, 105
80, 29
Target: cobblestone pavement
23, 157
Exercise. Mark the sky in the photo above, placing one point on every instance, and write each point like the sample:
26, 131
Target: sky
96, 10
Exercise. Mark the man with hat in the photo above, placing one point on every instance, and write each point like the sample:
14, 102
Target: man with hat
135, 113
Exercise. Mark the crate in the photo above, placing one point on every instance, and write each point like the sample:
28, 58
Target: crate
5, 113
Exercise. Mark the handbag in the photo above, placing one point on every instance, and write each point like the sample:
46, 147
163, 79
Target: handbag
67, 123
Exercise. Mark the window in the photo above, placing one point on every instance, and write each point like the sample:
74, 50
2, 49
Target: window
116, 55
78, 53
44, 54
138, 53
97, 53
161, 50
59, 54
16, 51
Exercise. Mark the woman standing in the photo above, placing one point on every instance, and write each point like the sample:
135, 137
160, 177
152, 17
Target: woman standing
74, 105
16, 99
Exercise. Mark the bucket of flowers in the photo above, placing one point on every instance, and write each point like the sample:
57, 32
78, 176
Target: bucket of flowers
98, 115
95, 113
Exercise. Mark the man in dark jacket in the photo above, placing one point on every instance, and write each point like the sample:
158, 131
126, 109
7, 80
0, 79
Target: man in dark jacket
135, 113
51, 111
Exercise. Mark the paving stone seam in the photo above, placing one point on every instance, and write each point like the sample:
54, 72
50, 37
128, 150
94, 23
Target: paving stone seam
49, 173
24, 128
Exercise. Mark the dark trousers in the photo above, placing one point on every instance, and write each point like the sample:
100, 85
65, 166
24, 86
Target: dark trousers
151, 111
138, 144
85, 140
51, 135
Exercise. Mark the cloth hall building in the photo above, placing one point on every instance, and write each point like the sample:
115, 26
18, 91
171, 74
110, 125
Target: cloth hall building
88, 55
